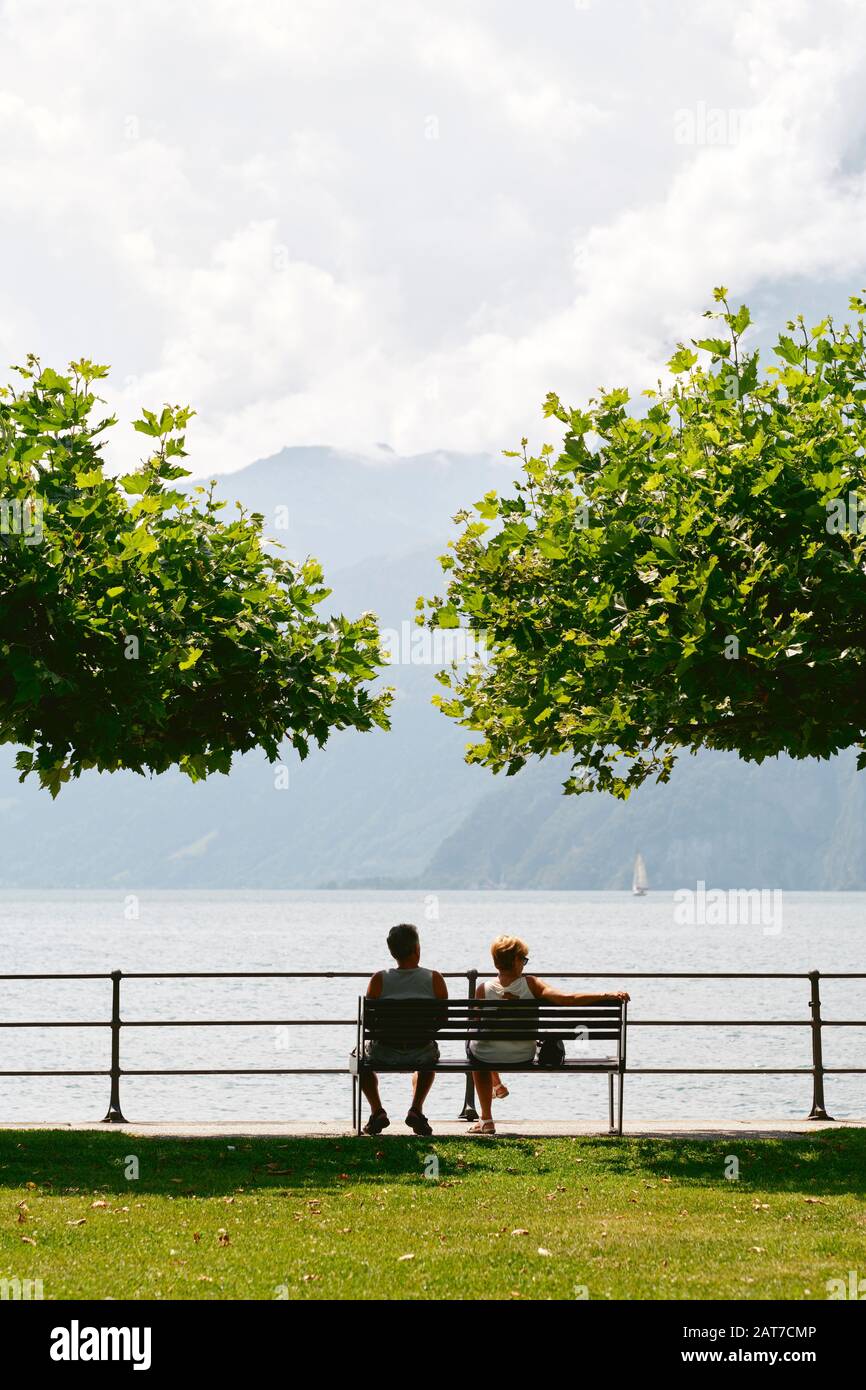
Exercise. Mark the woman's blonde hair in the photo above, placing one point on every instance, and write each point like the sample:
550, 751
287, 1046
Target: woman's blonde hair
505, 951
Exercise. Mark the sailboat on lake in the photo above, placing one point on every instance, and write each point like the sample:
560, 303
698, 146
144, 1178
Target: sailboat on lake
639, 882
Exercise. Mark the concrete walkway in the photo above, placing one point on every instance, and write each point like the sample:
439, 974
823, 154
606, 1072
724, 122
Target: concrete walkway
679, 1129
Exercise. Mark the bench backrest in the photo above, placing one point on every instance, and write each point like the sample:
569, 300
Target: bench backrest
414, 1022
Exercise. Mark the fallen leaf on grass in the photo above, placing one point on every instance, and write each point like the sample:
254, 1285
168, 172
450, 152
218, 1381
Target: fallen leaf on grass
28, 1240
80, 1222
223, 1236
404, 1257
520, 1231
815, 1201
95, 1205
543, 1251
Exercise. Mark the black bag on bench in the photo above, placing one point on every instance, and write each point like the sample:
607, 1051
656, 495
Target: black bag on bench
550, 1053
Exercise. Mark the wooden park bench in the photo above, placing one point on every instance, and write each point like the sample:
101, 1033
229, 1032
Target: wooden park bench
413, 1023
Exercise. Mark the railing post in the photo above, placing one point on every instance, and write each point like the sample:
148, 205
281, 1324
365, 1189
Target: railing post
469, 1112
817, 1112
115, 1115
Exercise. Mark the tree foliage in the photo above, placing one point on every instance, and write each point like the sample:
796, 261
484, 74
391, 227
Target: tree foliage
139, 628
684, 575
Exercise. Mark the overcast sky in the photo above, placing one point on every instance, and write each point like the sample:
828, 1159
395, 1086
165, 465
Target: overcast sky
405, 221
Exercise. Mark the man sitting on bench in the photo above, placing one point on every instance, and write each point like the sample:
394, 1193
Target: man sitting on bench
408, 981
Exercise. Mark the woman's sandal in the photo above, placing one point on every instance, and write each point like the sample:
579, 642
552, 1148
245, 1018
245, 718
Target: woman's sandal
500, 1091
482, 1127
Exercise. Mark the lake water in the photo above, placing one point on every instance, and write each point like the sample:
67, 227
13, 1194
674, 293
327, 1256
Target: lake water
298, 931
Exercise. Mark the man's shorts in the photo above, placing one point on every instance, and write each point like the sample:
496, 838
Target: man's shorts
379, 1054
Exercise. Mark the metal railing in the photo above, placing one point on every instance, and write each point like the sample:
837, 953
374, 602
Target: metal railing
116, 1024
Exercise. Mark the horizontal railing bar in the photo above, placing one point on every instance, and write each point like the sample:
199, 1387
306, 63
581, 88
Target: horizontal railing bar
103, 1072
449, 974
552, 1071
738, 1071
58, 1023
265, 974
239, 1071
236, 1022
56, 977
352, 1022
720, 1023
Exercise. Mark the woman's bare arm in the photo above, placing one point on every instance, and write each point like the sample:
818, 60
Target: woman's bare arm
542, 990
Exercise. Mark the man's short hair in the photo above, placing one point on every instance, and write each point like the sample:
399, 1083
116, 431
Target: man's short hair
505, 951
403, 940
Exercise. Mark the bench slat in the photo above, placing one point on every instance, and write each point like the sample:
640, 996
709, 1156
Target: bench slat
515, 1034
491, 1005
458, 1065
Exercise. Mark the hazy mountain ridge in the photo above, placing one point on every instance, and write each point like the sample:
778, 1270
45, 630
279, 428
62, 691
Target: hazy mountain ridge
778, 825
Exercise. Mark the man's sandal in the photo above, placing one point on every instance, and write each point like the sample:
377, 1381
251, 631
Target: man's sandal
500, 1091
376, 1123
418, 1122
482, 1127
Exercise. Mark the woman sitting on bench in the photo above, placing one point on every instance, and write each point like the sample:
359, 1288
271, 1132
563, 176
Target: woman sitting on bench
510, 956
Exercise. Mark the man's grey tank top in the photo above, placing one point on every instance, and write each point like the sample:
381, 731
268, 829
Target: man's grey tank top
416, 983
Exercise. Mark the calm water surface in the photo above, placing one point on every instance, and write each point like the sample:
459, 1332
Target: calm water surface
299, 931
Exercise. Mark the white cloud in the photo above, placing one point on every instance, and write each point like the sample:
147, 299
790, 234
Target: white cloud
250, 208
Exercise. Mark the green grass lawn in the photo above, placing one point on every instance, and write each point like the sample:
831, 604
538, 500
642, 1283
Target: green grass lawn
361, 1218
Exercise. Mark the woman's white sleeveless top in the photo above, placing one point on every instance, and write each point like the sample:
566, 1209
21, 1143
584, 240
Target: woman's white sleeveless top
506, 1050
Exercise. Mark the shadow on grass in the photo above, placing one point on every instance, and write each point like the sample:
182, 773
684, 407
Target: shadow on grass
828, 1162
63, 1161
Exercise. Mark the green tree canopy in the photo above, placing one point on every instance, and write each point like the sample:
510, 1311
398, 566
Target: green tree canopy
689, 574
139, 628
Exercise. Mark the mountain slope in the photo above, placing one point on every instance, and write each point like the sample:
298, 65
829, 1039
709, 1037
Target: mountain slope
733, 824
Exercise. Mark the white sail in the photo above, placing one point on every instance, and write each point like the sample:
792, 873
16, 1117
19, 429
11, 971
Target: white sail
639, 881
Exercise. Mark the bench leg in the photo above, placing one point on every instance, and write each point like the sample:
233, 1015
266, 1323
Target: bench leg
610, 1098
358, 1116
354, 1100
619, 1107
